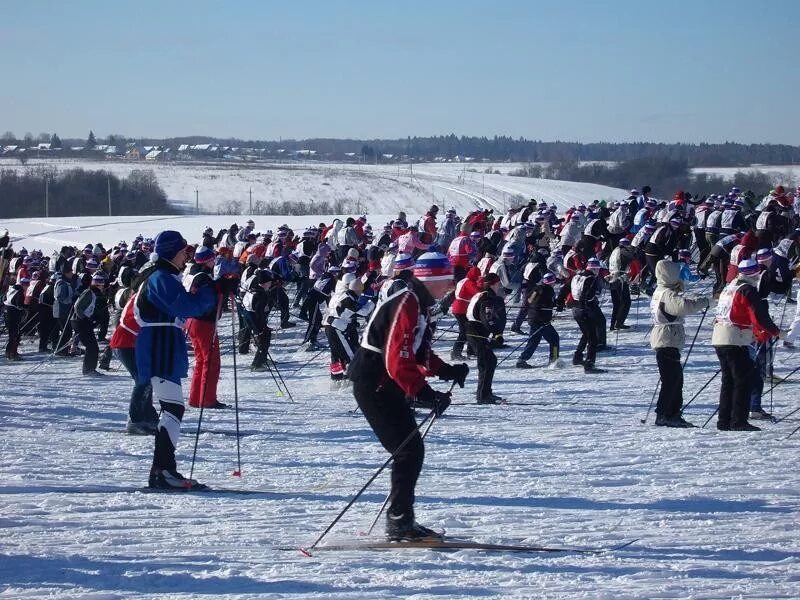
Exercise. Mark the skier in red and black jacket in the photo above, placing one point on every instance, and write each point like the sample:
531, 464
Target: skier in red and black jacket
388, 373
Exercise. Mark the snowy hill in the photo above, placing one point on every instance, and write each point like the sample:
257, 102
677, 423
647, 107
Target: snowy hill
365, 188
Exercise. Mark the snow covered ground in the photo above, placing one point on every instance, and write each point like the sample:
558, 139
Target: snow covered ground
566, 462
786, 174
380, 189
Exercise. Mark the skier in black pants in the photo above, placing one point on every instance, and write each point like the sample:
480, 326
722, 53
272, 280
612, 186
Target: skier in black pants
48, 331
542, 302
14, 310
668, 307
255, 308
85, 316
585, 287
389, 369
486, 318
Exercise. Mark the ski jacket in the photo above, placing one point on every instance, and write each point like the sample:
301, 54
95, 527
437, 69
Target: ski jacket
86, 304
713, 221
317, 264
64, 293
15, 297
571, 233
619, 262
409, 241
741, 316
487, 308
128, 328
461, 252
447, 232
396, 343
541, 301
668, 306
199, 277
663, 242
465, 290
161, 307
585, 288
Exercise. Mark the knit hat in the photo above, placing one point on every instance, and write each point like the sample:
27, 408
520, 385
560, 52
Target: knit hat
676, 221
403, 261
624, 242
168, 243
763, 255
748, 267
549, 278
475, 234
593, 264
203, 254
352, 253
508, 252
433, 266
98, 279
264, 275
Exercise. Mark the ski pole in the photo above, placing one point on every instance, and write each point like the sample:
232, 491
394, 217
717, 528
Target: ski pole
784, 379
280, 376
705, 385
787, 416
308, 362
389, 495
795, 430
653, 399
518, 346
278, 388
716, 410
238, 471
694, 339
203, 394
358, 494
446, 331
771, 351
386, 501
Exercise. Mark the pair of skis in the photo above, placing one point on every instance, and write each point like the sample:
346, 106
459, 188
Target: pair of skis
453, 544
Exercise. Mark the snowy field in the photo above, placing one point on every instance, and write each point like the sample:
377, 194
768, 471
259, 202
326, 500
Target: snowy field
377, 189
565, 463
786, 174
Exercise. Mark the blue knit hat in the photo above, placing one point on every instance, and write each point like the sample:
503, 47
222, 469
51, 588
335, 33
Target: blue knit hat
203, 254
168, 244
748, 267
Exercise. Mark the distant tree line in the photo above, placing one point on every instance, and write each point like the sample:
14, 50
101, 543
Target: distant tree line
497, 148
77, 192
664, 175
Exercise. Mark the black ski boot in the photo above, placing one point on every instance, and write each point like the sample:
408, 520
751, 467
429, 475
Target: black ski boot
172, 481
403, 528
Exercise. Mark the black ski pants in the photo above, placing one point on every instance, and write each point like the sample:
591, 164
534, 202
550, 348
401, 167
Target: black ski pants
458, 345
85, 330
620, 302
392, 419
477, 338
48, 331
670, 398
734, 395
588, 341
13, 323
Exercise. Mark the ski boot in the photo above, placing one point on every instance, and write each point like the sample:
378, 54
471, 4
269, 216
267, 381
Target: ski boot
403, 527
172, 481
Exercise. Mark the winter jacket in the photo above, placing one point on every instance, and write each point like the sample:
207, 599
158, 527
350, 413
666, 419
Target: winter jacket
571, 233
405, 356
465, 290
541, 301
668, 306
461, 251
317, 265
161, 307
741, 315
487, 308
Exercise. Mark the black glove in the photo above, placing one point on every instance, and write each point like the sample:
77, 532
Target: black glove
457, 373
427, 397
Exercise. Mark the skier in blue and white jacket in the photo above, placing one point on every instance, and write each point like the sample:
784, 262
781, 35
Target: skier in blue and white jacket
161, 357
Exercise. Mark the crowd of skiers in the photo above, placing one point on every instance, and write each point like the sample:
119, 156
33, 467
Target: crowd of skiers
376, 295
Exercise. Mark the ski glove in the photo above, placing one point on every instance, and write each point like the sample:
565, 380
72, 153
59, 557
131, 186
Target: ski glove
457, 373
427, 397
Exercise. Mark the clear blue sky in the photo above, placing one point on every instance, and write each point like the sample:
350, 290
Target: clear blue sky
613, 70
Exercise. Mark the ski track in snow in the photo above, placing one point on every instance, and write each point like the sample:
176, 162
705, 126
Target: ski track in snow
715, 514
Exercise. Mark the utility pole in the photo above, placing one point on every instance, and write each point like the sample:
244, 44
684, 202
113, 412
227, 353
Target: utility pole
108, 180
197, 202
46, 197
251, 202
